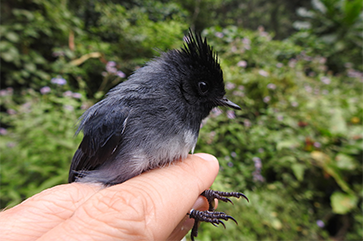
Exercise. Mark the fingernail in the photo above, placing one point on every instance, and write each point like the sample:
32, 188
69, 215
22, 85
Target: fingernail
206, 156
187, 224
201, 204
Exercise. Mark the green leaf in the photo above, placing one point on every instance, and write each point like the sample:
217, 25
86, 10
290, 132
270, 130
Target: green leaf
345, 162
352, 10
343, 203
303, 12
287, 144
324, 161
290, 159
337, 123
329, 38
7, 56
301, 25
11, 54
30, 67
318, 5
276, 224
298, 170
4, 45
12, 37
335, 172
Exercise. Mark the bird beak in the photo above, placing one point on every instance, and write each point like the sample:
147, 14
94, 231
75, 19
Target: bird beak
228, 103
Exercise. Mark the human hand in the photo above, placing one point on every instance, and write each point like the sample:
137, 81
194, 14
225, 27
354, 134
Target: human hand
151, 206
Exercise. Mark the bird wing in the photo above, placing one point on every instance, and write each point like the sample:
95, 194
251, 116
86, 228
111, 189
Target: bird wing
102, 127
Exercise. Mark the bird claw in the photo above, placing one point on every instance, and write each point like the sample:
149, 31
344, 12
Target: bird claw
207, 216
211, 216
223, 196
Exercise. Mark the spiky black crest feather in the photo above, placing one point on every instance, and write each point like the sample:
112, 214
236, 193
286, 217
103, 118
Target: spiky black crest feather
198, 49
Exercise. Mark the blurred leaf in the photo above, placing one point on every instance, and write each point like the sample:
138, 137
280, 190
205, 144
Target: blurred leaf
11, 36
318, 5
276, 224
303, 12
321, 158
337, 122
336, 174
289, 159
345, 162
11, 54
298, 170
343, 203
329, 38
325, 162
31, 67
302, 25
287, 144
352, 10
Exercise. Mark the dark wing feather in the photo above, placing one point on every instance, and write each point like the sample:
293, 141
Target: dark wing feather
102, 127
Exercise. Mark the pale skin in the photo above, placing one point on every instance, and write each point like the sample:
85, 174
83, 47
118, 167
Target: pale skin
151, 206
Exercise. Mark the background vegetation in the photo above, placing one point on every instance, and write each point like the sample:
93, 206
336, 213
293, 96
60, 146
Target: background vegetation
295, 67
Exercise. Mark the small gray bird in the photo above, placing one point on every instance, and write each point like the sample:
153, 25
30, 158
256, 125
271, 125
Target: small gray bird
153, 119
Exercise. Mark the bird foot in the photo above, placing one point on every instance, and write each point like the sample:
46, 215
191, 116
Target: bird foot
207, 216
210, 215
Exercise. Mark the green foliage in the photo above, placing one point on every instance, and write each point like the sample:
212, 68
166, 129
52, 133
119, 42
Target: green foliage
38, 146
133, 27
27, 31
275, 16
333, 28
299, 130
266, 217
43, 39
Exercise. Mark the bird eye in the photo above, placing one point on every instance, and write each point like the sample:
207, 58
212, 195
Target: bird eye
203, 87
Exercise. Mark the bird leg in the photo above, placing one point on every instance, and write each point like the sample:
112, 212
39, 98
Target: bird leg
210, 215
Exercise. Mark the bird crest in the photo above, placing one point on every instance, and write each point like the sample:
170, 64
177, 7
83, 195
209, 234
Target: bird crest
198, 49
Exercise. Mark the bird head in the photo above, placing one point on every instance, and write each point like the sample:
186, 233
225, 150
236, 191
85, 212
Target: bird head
202, 82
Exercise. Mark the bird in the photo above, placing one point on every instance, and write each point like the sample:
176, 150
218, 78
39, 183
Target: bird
153, 119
